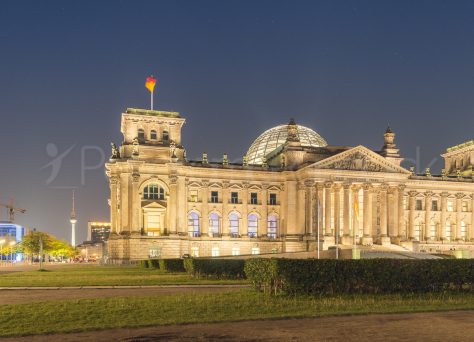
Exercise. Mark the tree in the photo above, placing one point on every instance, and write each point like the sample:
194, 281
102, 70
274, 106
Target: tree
31, 243
61, 249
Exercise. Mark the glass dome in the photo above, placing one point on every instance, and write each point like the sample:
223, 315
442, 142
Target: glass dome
274, 137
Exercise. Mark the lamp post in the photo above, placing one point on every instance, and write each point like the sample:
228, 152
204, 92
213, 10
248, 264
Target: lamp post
1, 251
12, 243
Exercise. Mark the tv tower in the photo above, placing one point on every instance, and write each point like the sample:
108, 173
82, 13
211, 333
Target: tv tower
73, 221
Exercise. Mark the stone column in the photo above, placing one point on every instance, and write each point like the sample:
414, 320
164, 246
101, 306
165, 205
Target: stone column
459, 197
308, 206
300, 209
328, 233
205, 206
136, 204
402, 234
367, 238
327, 209
113, 204
442, 223
172, 206
355, 216
182, 207
319, 209
411, 217
225, 214
392, 203
346, 238
262, 228
428, 198
384, 239
337, 212
245, 212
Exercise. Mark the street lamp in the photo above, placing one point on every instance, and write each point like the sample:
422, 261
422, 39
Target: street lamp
1, 251
12, 243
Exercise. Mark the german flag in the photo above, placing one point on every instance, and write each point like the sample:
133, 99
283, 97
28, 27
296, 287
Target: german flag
150, 83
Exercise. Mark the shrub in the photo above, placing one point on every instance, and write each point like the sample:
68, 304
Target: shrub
316, 277
154, 263
143, 263
215, 268
171, 265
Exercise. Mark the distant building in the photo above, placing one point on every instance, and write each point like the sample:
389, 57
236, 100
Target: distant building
98, 231
11, 233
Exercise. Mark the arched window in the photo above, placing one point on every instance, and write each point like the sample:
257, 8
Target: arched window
463, 230
153, 192
214, 224
272, 226
153, 134
253, 225
234, 225
141, 135
448, 230
193, 224
165, 136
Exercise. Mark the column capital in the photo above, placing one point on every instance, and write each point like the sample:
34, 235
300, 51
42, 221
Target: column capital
309, 182
444, 194
401, 187
367, 186
328, 184
429, 194
392, 190
459, 195
113, 180
383, 187
205, 183
245, 185
173, 179
356, 187
225, 184
346, 185
337, 186
319, 186
412, 193
265, 186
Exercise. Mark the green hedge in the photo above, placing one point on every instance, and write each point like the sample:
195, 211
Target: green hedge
167, 265
310, 276
215, 268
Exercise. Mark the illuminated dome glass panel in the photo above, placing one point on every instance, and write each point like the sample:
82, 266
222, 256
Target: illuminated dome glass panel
274, 137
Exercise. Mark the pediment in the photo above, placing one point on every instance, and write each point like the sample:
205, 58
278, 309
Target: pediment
360, 158
154, 205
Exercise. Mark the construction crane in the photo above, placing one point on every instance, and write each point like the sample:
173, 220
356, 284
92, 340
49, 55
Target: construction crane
11, 209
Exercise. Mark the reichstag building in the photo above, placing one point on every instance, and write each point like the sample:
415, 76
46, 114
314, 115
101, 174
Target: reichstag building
290, 188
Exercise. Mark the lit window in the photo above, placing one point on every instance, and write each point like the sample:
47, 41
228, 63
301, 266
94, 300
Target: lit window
153, 192
141, 135
273, 199
253, 225
450, 205
195, 251
255, 250
193, 224
213, 224
417, 231
448, 230
464, 206
234, 197
234, 225
215, 251
153, 134
272, 226
253, 198
235, 250
432, 231
463, 230
419, 204
214, 197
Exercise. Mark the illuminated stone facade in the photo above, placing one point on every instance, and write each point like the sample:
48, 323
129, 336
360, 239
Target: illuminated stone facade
163, 205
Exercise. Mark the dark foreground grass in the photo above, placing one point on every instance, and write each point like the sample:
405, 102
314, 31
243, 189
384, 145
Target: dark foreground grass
119, 312
101, 275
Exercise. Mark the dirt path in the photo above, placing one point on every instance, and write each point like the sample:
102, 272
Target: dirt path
29, 296
441, 326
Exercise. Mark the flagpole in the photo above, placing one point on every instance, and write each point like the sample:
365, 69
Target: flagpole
151, 97
319, 217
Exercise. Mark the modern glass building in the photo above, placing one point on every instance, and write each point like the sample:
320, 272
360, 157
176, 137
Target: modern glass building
10, 235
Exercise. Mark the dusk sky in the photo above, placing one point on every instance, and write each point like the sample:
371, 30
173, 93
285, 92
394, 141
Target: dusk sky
233, 69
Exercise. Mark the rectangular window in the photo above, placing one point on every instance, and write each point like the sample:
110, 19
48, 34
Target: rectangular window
214, 197
273, 199
464, 206
193, 194
434, 205
450, 205
419, 204
234, 197
253, 198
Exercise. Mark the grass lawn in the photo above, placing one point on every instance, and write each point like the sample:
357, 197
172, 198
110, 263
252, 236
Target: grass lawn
82, 275
103, 313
